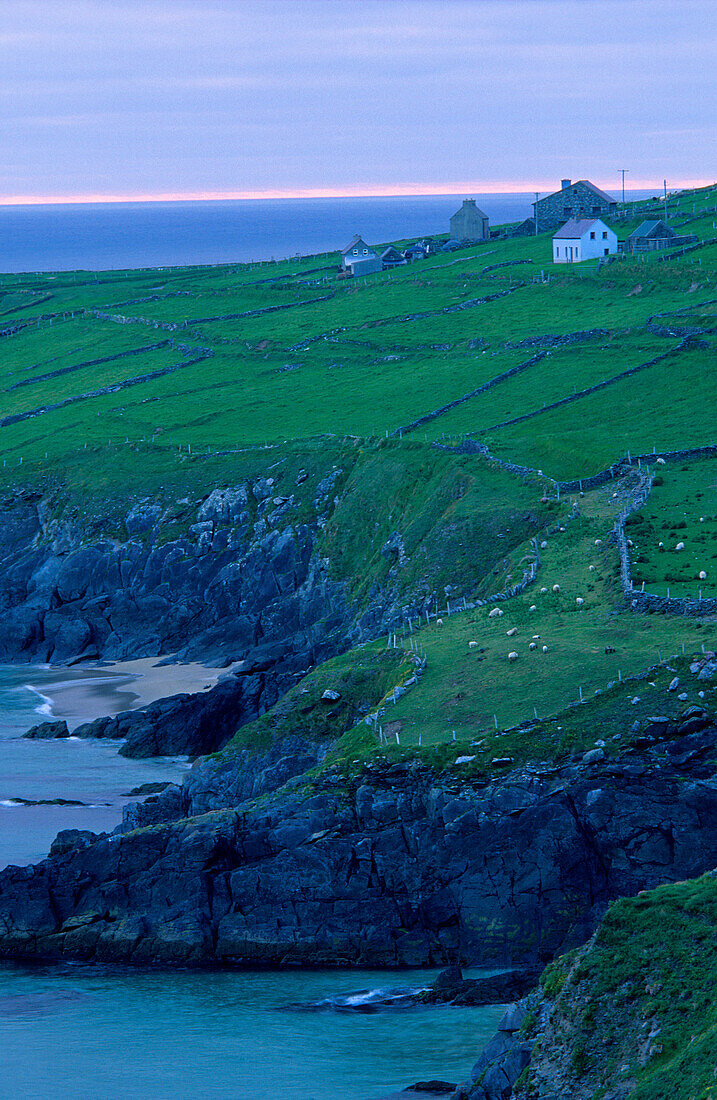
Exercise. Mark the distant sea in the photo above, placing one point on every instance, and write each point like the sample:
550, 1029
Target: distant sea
101, 236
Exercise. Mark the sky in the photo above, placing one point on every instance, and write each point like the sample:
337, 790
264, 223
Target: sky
122, 99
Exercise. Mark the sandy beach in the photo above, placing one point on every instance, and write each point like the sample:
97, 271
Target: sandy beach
106, 689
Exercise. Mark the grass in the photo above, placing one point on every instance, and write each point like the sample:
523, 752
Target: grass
681, 508
470, 691
374, 369
649, 978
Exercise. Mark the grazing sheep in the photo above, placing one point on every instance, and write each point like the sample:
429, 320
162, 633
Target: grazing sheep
533, 607
609, 648
512, 632
513, 656
702, 575
545, 649
495, 613
439, 622
598, 542
661, 462
660, 546
591, 568
536, 637
579, 601
472, 645
556, 588
533, 645
680, 546
702, 519
543, 591
543, 544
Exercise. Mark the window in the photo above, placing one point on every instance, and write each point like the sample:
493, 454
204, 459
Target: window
596, 210
592, 236
606, 252
604, 236
365, 251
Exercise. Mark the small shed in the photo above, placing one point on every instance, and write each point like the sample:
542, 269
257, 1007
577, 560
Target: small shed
650, 235
357, 249
391, 257
415, 251
469, 223
583, 239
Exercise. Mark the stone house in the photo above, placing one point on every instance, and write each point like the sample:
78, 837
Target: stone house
583, 239
573, 201
469, 223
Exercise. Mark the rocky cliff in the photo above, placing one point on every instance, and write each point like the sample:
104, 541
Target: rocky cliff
394, 865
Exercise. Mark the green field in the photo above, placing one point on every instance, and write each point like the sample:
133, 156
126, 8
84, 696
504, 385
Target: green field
283, 365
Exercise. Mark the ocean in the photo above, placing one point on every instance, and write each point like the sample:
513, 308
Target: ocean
101, 236
70, 1031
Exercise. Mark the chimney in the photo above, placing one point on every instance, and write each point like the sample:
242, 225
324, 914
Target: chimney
564, 184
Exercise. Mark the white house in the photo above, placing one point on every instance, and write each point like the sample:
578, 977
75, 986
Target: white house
583, 239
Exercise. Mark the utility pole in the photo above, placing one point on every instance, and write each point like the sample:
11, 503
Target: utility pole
623, 170
535, 208
664, 184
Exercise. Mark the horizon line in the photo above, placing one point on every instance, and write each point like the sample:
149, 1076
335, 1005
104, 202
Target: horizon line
405, 190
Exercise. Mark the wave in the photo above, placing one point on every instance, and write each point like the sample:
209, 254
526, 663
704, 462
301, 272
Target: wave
45, 707
363, 1000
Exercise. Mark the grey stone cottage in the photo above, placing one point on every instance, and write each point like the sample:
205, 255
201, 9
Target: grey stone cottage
574, 200
469, 223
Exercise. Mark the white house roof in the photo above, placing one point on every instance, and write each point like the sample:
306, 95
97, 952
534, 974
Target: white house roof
575, 228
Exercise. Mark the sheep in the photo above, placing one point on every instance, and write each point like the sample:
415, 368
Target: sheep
598, 542
495, 613
536, 637
533, 607
543, 544
512, 632
680, 546
591, 568
533, 645
579, 601
439, 622
543, 591
702, 519
661, 462
472, 645
513, 656
545, 649
556, 588
660, 546
702, 575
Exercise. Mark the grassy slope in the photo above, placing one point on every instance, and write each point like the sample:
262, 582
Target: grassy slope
380, 370
639, 1007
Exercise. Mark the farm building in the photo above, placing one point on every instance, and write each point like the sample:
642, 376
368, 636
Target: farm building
469, 223
357, 251
649, 235
391, 257
574, 200
417, 251
583, 239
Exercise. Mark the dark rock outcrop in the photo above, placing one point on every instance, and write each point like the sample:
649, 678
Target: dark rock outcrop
396, 867
48, 731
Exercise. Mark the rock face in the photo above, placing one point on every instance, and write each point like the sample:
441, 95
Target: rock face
230, 585
48, 731
395, 867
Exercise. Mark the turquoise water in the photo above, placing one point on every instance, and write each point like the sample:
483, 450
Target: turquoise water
87, 771
69, 1032
222, 1036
